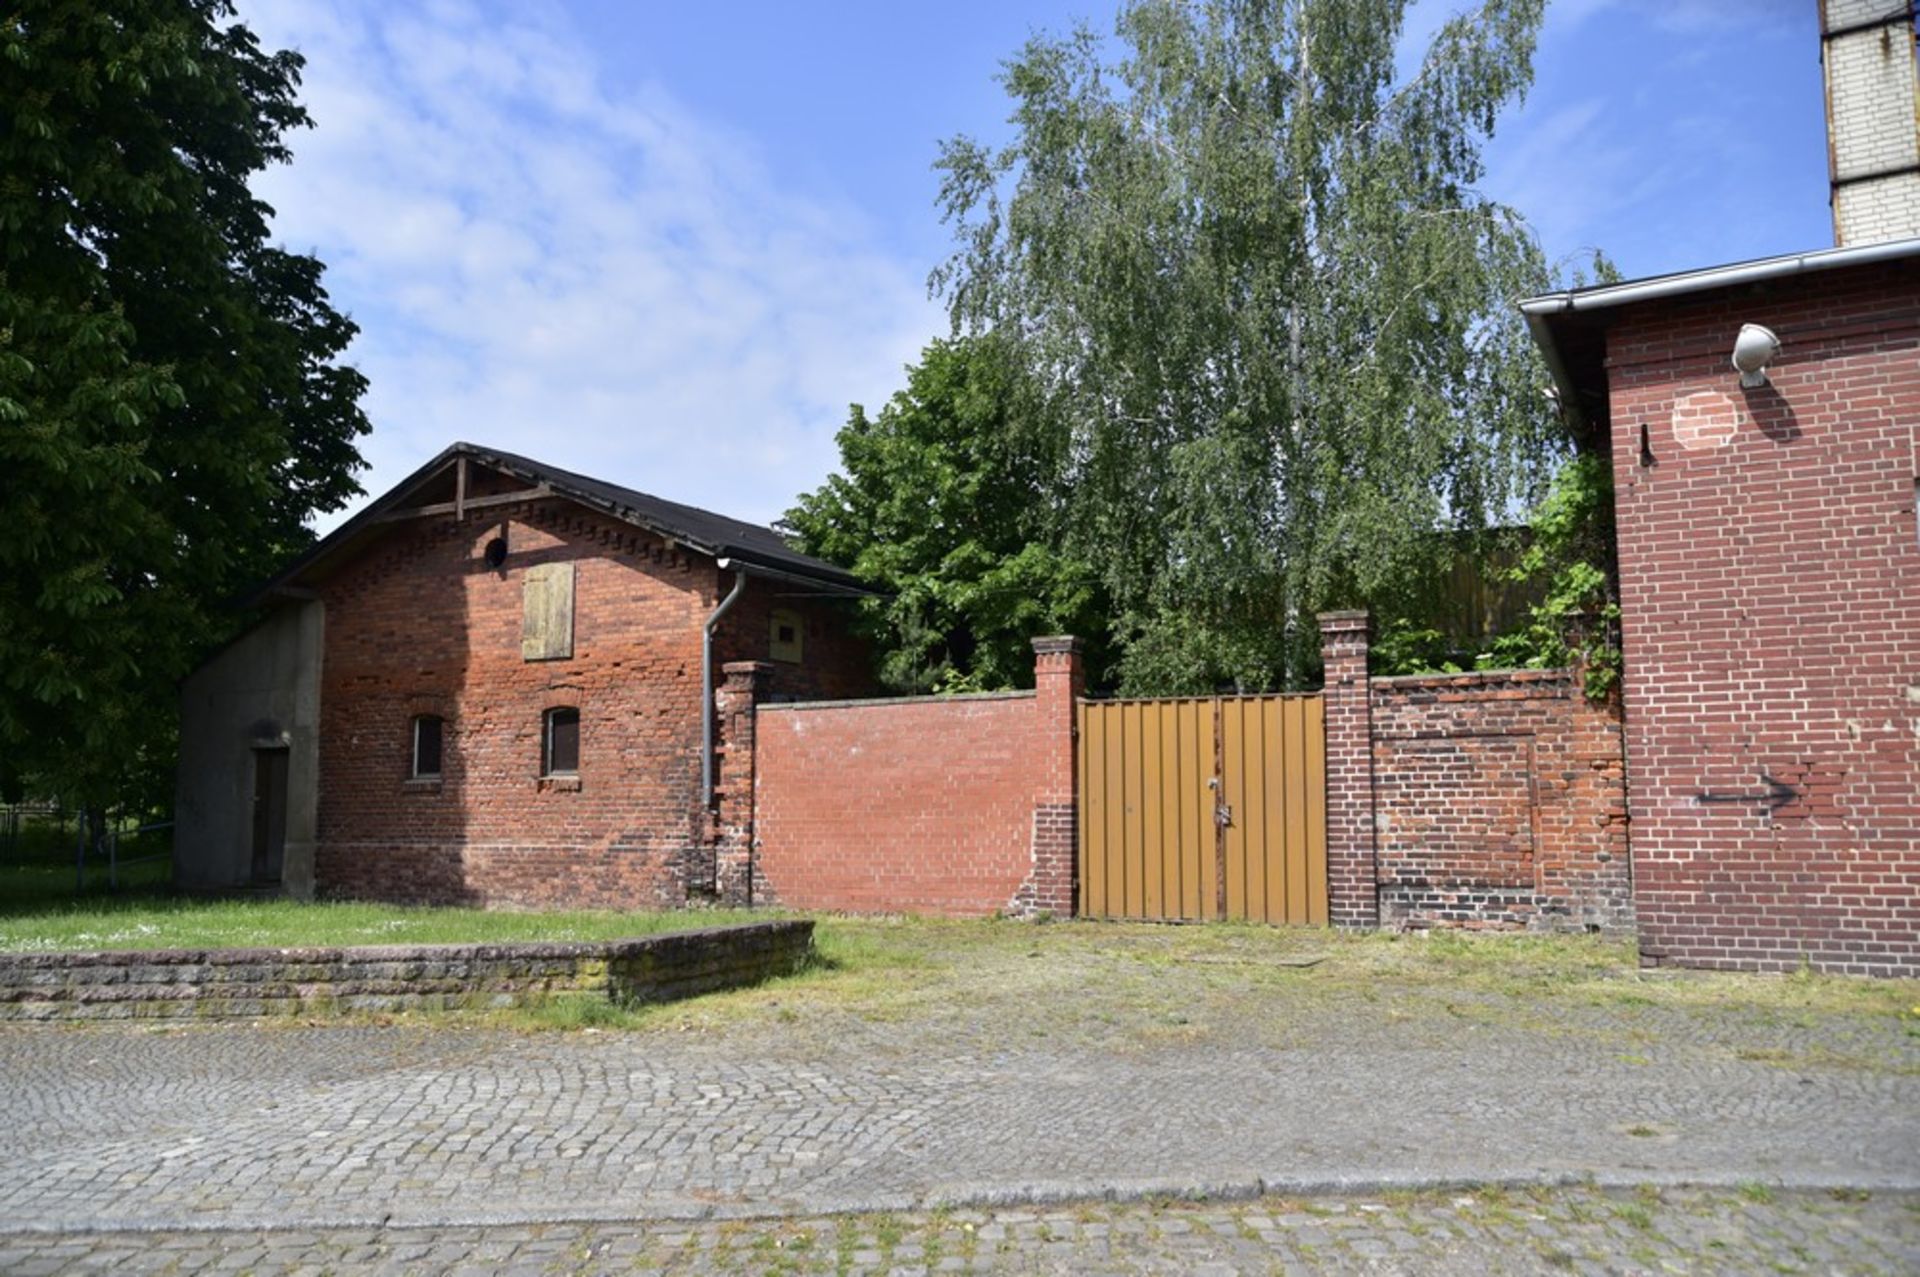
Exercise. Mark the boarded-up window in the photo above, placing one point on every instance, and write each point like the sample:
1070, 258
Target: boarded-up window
560, 752
427, 730
546, 629
785, 635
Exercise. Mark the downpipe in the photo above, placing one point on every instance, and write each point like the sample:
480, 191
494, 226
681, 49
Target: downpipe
707, 707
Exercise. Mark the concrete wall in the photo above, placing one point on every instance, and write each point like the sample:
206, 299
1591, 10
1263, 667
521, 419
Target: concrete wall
260, 691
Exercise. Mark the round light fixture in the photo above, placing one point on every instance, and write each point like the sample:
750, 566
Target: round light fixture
1753, 350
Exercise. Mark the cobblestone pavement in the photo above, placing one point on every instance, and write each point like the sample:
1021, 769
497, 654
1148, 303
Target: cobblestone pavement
1569, 1230
442, 1124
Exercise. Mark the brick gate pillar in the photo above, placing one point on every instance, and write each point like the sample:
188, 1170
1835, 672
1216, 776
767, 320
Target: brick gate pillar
732, 829
1058, 681
1353, 893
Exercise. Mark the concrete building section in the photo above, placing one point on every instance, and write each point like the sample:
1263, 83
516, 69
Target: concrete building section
1873, 119
247, 791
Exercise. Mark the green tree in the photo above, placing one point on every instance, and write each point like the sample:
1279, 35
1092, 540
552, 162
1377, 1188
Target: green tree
1250, 271
1571, 556
171, 405
949, 501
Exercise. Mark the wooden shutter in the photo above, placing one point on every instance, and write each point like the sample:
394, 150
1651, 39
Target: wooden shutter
546, 631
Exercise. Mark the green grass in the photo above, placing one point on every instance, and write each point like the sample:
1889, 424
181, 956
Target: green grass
41, 910
158, 921
1122, 987
1135, 985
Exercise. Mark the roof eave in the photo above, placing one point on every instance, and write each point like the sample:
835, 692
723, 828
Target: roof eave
349, 532
1606, 296
1548, 311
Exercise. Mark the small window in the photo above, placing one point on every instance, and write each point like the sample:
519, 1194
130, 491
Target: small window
428, 730
560, 746
785, 635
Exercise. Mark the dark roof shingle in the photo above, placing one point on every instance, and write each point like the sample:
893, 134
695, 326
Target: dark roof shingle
715, 535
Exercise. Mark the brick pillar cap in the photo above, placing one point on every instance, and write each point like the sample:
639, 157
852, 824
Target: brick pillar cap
1055, 643
1353, 619
747, 667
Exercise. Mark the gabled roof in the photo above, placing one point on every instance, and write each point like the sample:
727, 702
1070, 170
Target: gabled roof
757, 549
1569, 326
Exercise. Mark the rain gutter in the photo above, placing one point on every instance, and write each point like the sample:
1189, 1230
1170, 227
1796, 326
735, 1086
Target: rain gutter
707, 708
1539, 311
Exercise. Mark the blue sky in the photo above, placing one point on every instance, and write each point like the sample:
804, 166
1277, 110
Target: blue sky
668, 243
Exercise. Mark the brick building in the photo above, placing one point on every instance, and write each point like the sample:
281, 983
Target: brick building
1770, 593
489, 686
1769, 548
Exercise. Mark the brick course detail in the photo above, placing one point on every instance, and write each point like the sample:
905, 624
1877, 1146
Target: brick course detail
1501, 803
1492, 800
1770, 585
1352, 867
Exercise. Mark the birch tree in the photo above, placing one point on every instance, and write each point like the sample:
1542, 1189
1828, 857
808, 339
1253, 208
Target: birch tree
1249, 263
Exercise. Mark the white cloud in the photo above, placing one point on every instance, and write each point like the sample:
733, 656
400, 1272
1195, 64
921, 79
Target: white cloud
559, 264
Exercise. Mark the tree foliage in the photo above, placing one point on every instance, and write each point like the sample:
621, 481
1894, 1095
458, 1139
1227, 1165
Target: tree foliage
1248, 269
949, 501
1577, 621
1567, 568
171, 405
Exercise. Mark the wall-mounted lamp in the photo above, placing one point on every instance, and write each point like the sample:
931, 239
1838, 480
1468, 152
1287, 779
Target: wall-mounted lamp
1753, 350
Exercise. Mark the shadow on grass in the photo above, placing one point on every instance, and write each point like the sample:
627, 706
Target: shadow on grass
32, 891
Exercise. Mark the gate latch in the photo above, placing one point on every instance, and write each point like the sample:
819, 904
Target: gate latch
1222, 812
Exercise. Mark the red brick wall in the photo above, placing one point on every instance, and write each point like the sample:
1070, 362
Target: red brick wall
960, 806
1352, 870
1770, 582
419, 624
1501, 803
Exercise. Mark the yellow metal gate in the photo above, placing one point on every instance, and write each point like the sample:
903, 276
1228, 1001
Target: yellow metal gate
1202, 808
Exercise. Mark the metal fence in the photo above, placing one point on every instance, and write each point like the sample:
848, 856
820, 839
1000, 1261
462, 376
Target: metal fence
1203, 808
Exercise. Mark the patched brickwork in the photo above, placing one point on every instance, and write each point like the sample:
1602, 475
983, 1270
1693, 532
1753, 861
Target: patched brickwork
1770, 583
960, 806
1501, 803
1484, 800
419, 623
1052, 885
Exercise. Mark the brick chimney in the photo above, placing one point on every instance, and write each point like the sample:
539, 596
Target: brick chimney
1873, 119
